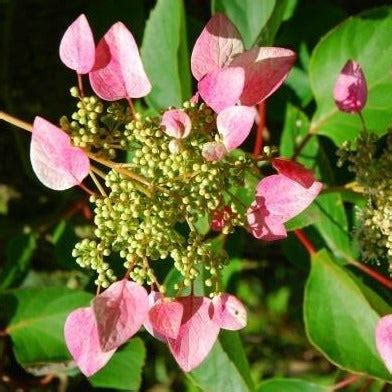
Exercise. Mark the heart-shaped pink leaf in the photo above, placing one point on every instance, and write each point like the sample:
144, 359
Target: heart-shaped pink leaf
166, 317
153, 297
265, 70
222, 88
77, 47
213, 151
197, 335
120, 312
217, 44
262, 224
118, 71
384, 340
235, 124
57, 164
230, 313
285, 197
294, 170
81, 338
350, 91
176, 123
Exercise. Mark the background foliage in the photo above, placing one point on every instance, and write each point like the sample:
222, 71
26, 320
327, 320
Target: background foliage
310, 321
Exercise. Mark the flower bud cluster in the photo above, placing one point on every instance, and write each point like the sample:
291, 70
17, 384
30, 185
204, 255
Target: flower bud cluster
157, 218
94, 130
374, 177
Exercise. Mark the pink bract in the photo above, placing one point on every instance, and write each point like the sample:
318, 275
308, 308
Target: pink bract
265, 71
118, 71
153, 297
278, 199
166, 317
384, 340
217, 44
197, 334
222, 88
120, 312
56, 162
77, 47
230, 313
234, 124
294, 170
213, 151
81, 338
176, 123
350, 91
219, 47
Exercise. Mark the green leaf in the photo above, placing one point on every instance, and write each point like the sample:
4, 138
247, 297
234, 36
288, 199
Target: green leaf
362, 38
331, 219
338, 319
19, 251
282, 11
306, 218
165, 55
226, 367
124, 370
36, 327
290, 385
249, 16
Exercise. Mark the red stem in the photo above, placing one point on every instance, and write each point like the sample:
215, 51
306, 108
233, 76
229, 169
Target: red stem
80, 84
258, 147
385, 281
305, 241
347, 381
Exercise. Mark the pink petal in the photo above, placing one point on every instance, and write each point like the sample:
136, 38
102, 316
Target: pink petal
120, 312
285, 198
235, 124
166, 318
153, 297
118, 71
230, 312
265, 70
77, 47
222, 88
218, 218
176, 123
350, 91
217, 44
213, 151
57, 164
262, 224
294, 170
384, 340
197, 335
81, 338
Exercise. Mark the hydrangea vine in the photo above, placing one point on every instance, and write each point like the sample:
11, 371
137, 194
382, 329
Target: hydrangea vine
157, 177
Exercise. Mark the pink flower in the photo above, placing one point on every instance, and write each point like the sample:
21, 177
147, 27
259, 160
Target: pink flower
197, 333
190, 325
118, 71
294, 171
254, 74
230, 313
384, 340
77, 47
278, 199
176, 123
350, 91
93, 334
56, 162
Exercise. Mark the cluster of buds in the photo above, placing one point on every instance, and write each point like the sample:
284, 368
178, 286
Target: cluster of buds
181, 168
371, 168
